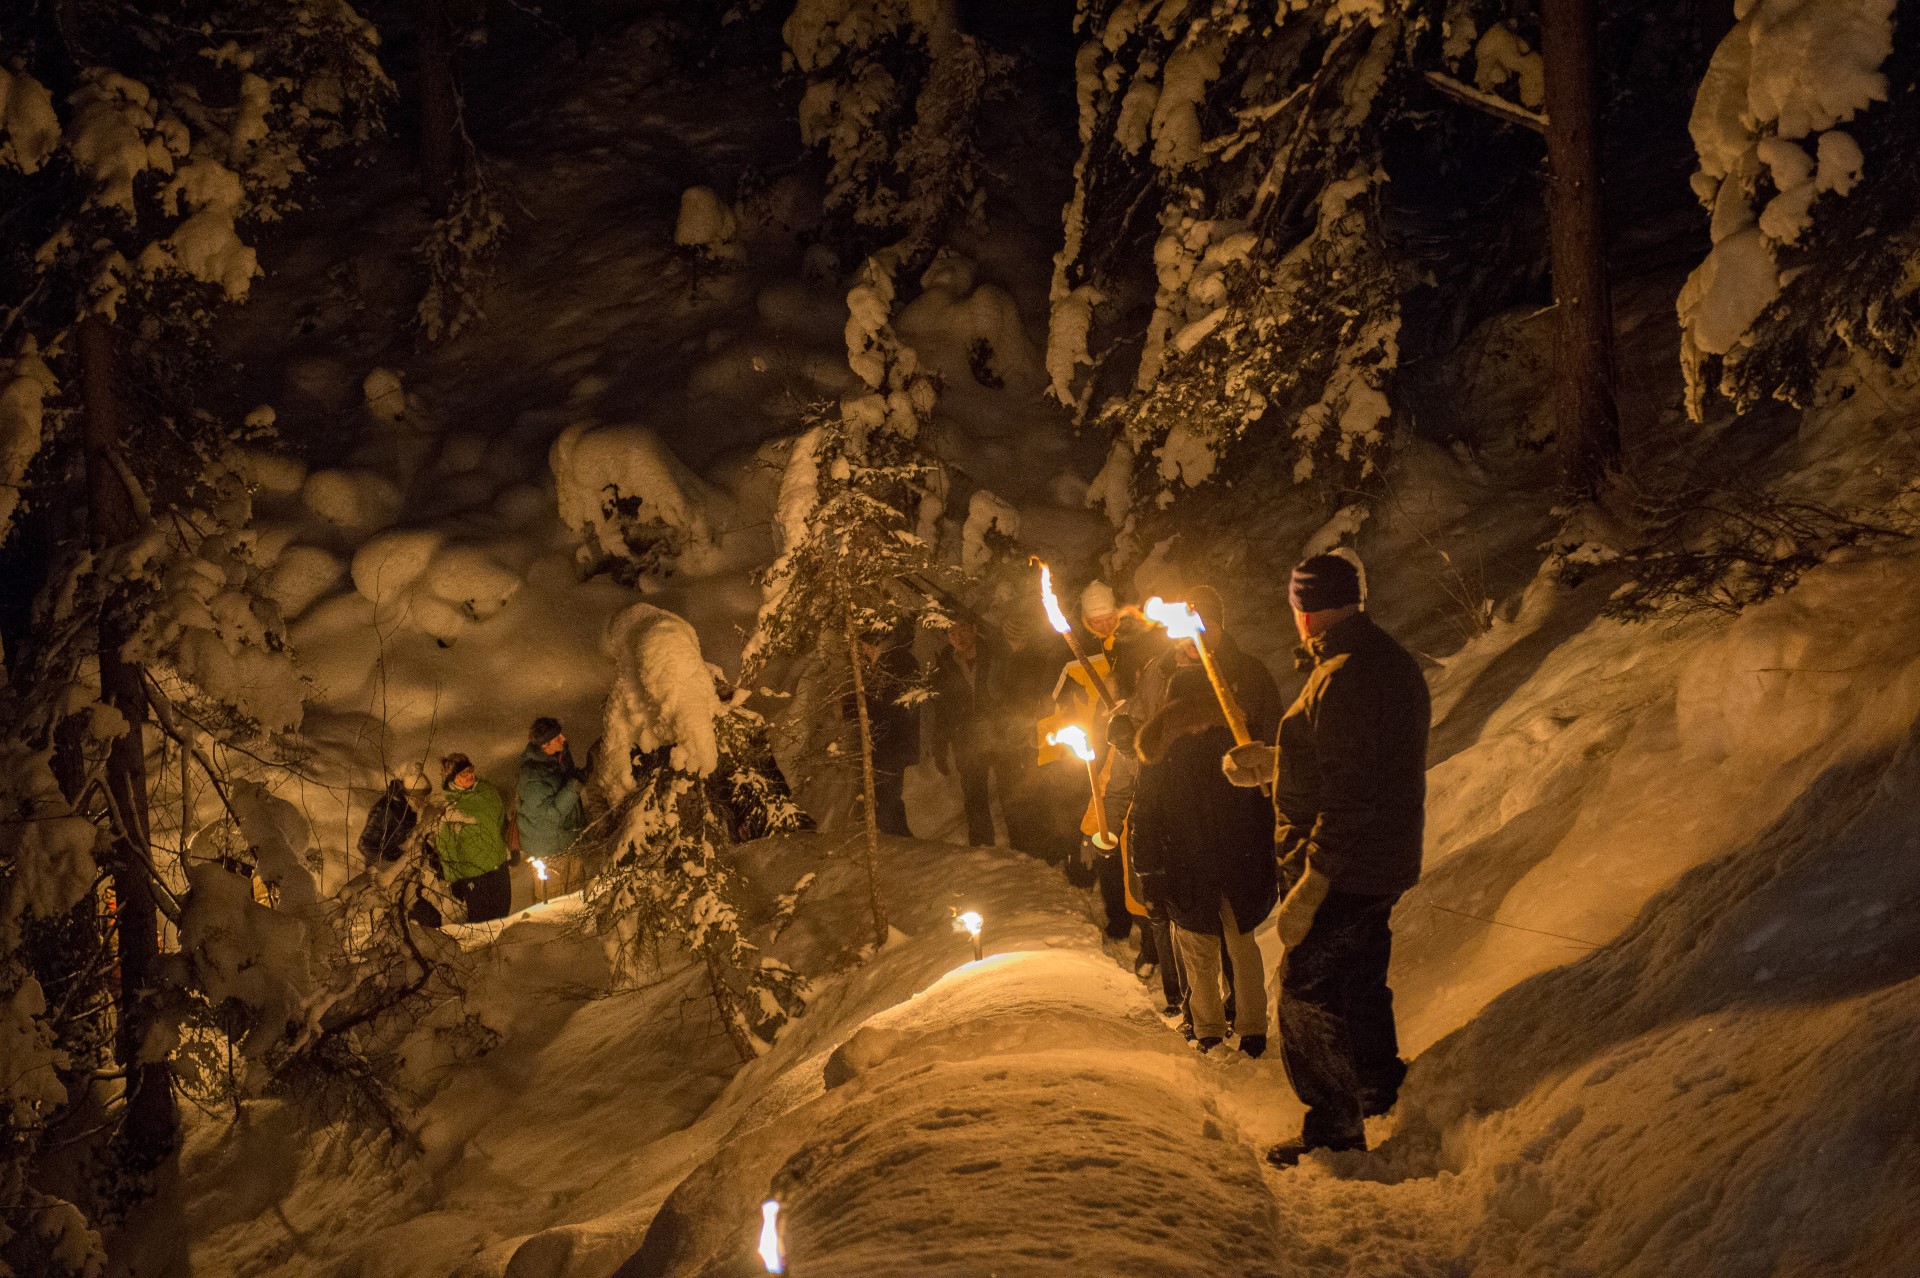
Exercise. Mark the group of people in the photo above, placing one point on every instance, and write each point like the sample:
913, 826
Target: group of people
1319, 816
476, 834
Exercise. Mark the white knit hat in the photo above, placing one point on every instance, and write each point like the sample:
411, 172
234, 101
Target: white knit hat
1097, 600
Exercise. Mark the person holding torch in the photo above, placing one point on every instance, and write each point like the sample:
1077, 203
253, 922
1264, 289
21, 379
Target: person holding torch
1202, 849
1349, 798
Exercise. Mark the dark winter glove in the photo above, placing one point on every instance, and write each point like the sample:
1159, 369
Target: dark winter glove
1153, 887
1121, 733
1295, 919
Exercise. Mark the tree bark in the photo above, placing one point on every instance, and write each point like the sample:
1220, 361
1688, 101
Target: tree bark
866, 777
149, 1129
1586, 415
439, 107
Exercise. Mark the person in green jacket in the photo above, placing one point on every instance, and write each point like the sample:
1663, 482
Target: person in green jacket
550, 812
472, 841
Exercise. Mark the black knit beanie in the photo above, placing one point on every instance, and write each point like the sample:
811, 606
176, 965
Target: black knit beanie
544, 729
1323, 582
453, 765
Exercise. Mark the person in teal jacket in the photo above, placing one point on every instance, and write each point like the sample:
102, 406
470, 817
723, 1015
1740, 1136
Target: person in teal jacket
472, 841
550, 812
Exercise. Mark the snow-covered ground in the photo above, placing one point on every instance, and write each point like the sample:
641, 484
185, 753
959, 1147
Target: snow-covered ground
1660, 978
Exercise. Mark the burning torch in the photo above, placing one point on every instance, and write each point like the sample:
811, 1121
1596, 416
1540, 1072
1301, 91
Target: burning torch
773, 1252
1182, 622
539, 874
1074, 738
970, 922
1059, 621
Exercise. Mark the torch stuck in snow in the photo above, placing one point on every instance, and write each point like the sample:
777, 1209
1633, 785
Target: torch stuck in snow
539, 875
1074, 738
1058, 620
971, 921
1182, 622
773, 1253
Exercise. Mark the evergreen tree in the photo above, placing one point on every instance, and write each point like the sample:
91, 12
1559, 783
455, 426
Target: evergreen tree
140, 144
683, 773
849, 510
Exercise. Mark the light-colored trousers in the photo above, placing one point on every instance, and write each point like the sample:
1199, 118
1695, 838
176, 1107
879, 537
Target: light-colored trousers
1200, 953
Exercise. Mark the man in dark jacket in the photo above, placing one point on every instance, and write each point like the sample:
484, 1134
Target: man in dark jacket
1201, 849
969, 730
1349, 797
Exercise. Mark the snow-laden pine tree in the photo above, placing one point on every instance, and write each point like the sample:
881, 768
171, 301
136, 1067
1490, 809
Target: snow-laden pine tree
682, 774
1805, 126
849, 518
140, 145
894, 88
1276, 206
1231, 164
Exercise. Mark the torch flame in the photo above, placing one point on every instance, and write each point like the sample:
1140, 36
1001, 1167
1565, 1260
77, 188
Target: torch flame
1181, 621
1055, 618
539, 868
1074, 738
772, 1254
971, 921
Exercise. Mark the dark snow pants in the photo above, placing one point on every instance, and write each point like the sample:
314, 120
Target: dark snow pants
889, 802
1337, 1038
1111, 874
978, 772
486, 896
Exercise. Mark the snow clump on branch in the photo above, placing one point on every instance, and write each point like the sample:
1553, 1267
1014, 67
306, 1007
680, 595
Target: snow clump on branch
663, 696
1788, 71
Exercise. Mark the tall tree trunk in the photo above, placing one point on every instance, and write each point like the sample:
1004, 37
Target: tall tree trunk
149, 1129
866, 779
1586, 415
439, 107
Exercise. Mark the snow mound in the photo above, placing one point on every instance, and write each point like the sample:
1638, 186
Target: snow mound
628, 499
301, 577
362, 500
386, 567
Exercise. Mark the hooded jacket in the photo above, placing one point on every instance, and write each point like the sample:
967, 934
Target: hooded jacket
389, 822
549, 810
1350, 795
472, 835
1194, 839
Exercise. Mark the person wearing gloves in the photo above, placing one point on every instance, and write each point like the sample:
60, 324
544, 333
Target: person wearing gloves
1215, 871
548, 807
1349, 799
472, 841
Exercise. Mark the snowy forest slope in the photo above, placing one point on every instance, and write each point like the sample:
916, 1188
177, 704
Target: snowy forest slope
1660, 932
1659, 986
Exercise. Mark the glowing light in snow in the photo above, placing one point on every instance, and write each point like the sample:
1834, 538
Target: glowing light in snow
1055, 618
772, 1254
971, 921
539, 868
1181, 621
1074, 738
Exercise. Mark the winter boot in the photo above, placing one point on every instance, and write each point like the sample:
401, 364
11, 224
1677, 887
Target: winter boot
1206, 1045
1253, 1045
1290, 1153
